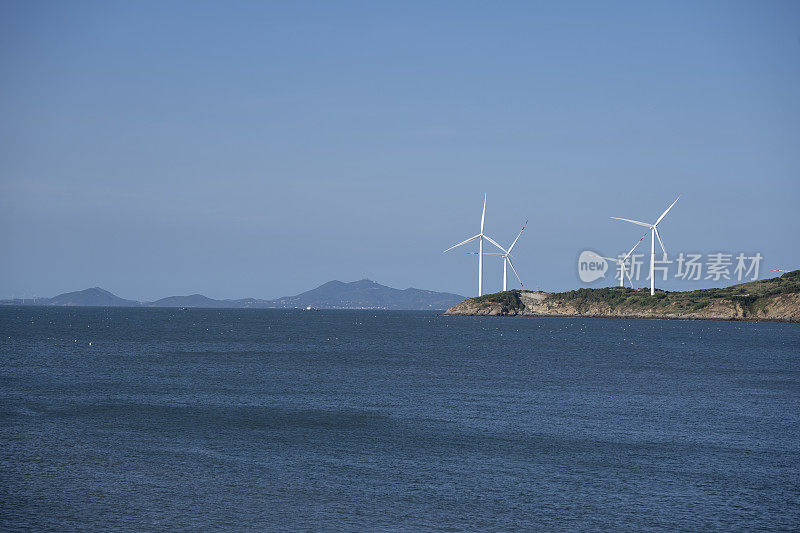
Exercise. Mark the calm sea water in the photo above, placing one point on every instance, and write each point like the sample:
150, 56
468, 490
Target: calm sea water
357, 420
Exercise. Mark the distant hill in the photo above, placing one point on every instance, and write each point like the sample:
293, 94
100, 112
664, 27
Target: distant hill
367, 294
363, 294
89, 298
193, 300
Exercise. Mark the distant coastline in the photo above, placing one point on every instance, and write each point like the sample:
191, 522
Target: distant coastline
775, 299
361, 294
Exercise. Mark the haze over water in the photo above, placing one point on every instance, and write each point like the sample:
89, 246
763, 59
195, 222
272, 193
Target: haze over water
352, 420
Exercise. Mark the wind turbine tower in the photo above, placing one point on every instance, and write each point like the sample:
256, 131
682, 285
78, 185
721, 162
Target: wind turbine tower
654, 234
480, 236
506, 255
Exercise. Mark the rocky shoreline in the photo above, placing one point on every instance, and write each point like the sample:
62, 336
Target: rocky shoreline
776, 299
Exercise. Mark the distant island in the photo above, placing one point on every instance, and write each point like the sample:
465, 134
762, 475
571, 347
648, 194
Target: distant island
769, 299
362, 294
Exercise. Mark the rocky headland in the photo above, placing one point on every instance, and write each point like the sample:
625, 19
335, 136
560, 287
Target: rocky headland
776, 299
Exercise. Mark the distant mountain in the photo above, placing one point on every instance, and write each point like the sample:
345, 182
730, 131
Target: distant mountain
367, 294
90, 297
193, 300
363, 294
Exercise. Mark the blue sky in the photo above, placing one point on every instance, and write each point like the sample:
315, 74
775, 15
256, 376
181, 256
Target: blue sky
260, 149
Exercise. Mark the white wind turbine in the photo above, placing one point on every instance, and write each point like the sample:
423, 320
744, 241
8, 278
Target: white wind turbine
480, 236
654, 231
506, 255
621, 263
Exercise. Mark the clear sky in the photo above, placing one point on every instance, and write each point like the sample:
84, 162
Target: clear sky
262, 148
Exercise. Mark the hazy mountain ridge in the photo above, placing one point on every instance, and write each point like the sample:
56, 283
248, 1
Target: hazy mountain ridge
94, 296
362, 294
367, 294
192, 300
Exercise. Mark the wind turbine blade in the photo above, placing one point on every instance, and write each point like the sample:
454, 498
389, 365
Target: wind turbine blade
645, 224
462, 242
492, 241
515, 271
659, 241
483, 215
628, 274
634, 247
667, 211
606, 258
518, 235
486, 253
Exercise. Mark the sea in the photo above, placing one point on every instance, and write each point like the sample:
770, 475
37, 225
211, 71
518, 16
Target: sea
118, 419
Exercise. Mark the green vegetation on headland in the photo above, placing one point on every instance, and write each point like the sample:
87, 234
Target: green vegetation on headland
507, 299
769, 299
746, 294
